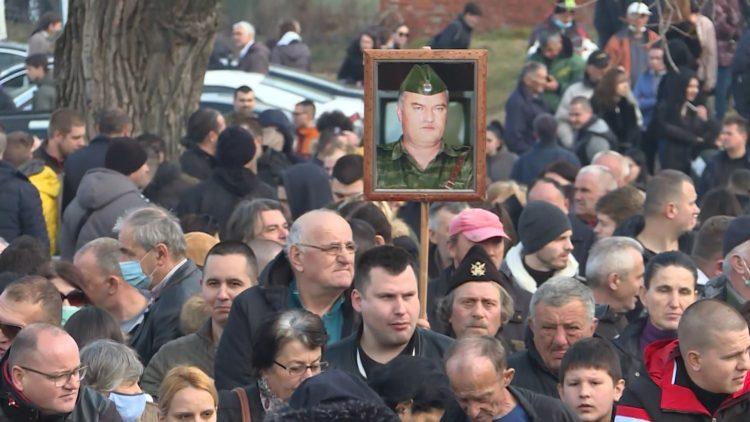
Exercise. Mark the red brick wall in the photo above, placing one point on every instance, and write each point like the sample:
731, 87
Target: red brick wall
428, 17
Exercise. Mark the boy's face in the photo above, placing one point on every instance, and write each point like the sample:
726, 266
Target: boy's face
590, 392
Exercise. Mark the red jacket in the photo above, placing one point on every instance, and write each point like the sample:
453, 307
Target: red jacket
657, 397
618, 47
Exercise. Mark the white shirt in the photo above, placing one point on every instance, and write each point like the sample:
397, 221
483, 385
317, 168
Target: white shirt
245, 48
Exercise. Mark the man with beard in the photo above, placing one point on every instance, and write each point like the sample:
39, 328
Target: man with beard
385, 294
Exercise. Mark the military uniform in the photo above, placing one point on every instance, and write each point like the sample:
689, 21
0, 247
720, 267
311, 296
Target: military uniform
452, 167
398, 170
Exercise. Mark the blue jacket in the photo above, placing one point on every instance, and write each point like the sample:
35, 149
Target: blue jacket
645, 93
520, 111
20, 206
531, 164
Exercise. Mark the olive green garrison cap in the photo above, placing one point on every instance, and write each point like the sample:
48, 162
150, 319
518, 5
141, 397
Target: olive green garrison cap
422, 79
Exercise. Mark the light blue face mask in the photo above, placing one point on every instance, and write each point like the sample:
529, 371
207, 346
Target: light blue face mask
562, 25
133, 274
129, 406
67, 312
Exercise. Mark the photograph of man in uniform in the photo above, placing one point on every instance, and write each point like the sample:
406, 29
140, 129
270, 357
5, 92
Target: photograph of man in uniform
421, 158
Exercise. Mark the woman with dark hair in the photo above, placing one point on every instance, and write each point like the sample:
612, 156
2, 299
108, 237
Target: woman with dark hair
68, 279
413, 401
611, 101
92, 323
683, 127
669, 287
719, 201
42, 40
287, 350
352, 70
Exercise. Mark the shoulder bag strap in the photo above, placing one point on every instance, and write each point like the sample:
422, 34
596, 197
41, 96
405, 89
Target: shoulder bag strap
244, 404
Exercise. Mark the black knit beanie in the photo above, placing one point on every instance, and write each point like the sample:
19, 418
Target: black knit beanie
539, 224
124, 155
235, 148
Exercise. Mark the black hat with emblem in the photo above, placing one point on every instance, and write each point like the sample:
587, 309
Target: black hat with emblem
422, 79
476, 266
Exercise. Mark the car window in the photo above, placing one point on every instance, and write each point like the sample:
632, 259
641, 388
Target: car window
7, 60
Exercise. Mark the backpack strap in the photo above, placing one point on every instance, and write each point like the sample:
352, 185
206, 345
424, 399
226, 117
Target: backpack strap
244, 404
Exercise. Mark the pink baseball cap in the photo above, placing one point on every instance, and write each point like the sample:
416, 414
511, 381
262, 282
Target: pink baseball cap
477, 225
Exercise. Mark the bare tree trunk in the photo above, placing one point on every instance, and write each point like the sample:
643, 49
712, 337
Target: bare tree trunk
147, 57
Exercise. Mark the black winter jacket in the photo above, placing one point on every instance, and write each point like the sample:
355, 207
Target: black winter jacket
20, 206
538, 407
456, 35
162, 320
428, 344
230, 409
531, 372
628, 347
197, 163
232, 364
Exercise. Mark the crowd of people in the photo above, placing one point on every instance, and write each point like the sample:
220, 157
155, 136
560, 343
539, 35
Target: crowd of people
603, 278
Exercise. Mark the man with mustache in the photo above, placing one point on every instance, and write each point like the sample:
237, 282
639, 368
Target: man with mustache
561, 313
313, 272
701, 375
385, 294
421, 158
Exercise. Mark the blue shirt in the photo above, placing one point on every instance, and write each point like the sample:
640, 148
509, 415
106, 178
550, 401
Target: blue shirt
333, 320
515, 415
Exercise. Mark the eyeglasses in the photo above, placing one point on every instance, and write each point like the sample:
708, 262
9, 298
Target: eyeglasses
75, 297
62, 378
402, 34
335, 249
10, 331
298, 370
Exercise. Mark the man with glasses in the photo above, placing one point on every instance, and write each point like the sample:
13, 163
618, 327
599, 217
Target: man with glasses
313, 272
385, 294
26, 301
41, 380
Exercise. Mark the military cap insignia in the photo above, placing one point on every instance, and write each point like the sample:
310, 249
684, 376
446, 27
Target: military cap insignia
422, 79
478, 269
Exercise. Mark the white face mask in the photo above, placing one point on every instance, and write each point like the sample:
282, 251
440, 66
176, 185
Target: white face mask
129, 406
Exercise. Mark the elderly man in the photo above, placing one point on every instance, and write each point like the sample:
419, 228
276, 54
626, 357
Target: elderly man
42, 377
732, 285
440, 216
154, 237
422, 158
615, 275
385, 295
26, 301
616, 163
313, 273
252, 56
481, 380
701, 375
561, 313
472, 227
111, 281
592, 182
591, 133
230, 269
524, 105
549, 190
670, 212
545, 250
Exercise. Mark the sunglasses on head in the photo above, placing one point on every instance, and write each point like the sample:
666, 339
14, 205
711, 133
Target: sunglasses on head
75, 297
10, 331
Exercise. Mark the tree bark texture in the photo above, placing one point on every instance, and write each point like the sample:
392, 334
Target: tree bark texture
147, 57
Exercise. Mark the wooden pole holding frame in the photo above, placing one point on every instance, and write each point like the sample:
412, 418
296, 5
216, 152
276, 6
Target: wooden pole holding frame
424, 252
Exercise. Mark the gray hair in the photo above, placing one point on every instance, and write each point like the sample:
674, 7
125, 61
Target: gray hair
610, 255
624, 166
601, 171
726, 265
110, 364
297, 231
452, 207
241, 224
245, 25
445, 306
154, 225
107, 253
484, 346
559, 291
531, 67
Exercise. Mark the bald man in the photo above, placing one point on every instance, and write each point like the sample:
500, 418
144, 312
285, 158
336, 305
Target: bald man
41, 380
313, 272
703, 375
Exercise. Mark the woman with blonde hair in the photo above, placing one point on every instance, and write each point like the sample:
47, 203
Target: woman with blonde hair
187, 393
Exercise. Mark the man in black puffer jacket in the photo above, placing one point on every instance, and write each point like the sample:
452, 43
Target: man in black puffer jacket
20, 204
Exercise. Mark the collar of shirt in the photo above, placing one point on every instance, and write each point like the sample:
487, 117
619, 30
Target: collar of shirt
246, 48
702, 278
158, 288
734, 299
332, 320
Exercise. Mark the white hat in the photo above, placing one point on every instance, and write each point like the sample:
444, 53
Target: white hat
638, 8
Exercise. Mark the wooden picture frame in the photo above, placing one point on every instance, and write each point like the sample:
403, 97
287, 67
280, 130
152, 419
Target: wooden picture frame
464, 73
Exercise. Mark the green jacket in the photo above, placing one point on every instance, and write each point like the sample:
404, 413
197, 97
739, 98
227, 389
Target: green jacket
45, 96
566, 69
396, 169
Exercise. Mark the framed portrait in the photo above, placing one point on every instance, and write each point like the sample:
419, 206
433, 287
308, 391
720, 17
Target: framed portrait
425, 113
